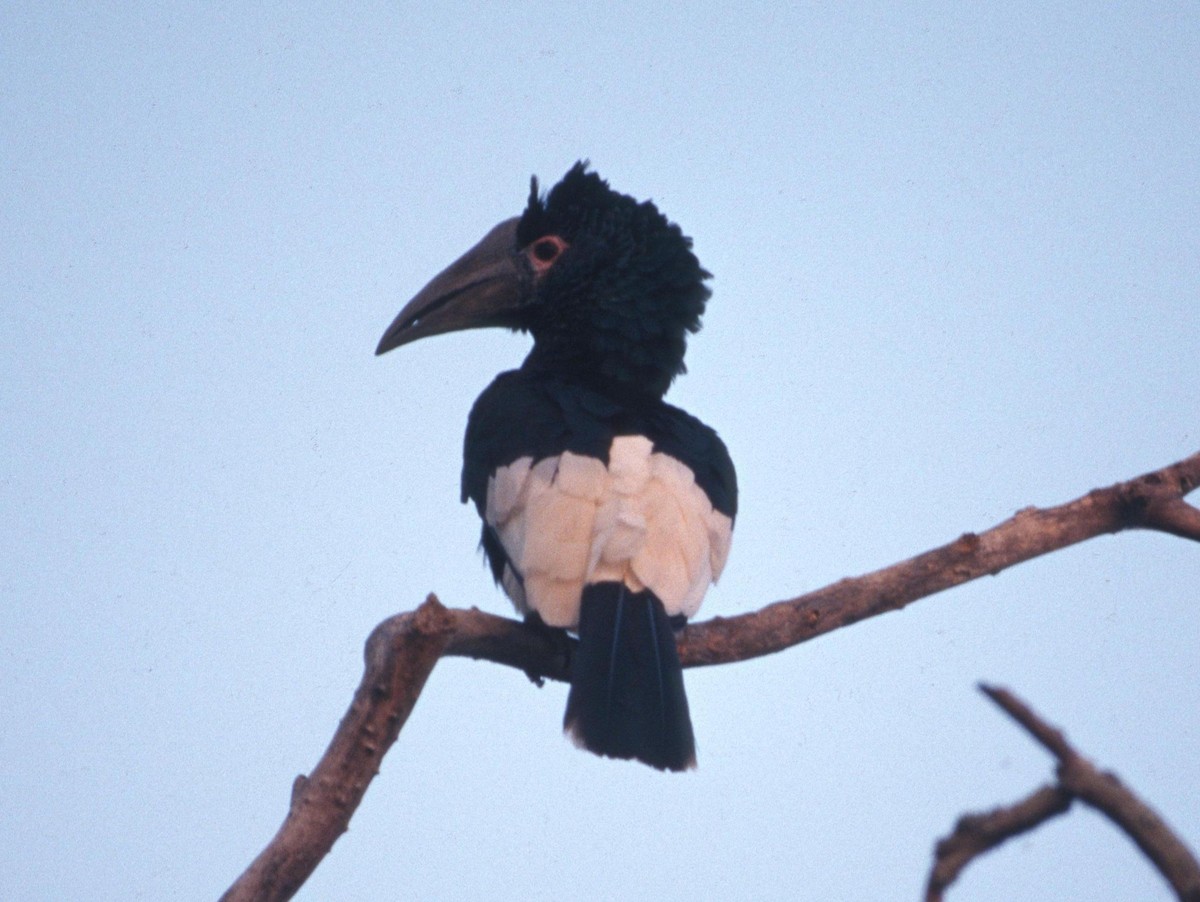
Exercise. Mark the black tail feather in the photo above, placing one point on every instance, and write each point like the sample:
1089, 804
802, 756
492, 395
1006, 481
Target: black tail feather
627, 698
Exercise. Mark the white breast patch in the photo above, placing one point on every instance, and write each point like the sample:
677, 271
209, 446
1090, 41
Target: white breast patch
569, 520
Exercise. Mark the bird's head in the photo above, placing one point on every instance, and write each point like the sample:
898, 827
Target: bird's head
607, 286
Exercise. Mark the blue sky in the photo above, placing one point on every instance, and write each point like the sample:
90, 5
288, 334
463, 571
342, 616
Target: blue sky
957, 267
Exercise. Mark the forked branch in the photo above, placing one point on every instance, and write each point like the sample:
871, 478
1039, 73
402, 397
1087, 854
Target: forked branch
1079, 779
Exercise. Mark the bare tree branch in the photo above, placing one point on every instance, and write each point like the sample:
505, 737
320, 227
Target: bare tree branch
1153, 501
1078, 778
400, 654
975, 834
1105, 792
1176, 516
403, 649
1138, 503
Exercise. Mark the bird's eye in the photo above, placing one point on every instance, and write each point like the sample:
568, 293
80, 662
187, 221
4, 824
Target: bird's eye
545, 251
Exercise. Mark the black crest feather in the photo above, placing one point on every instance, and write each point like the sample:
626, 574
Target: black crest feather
627, 292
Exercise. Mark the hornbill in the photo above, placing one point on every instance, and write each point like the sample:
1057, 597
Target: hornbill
606, 511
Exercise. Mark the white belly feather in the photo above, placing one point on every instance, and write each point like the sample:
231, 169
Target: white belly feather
569, 520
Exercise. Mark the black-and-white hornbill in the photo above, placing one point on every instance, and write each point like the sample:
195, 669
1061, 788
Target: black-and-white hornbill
606, 511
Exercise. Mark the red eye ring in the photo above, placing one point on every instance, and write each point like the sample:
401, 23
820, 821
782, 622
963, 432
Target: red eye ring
543, 252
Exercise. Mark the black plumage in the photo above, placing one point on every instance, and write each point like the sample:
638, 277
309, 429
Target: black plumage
605, 510
627, 698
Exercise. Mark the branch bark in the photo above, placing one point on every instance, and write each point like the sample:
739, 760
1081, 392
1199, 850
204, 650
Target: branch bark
1151, 501
1078, 778
975, 834
400, 655
1108, 795
403, 649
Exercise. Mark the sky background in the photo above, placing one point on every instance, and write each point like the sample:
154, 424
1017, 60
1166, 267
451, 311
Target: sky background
956, 251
